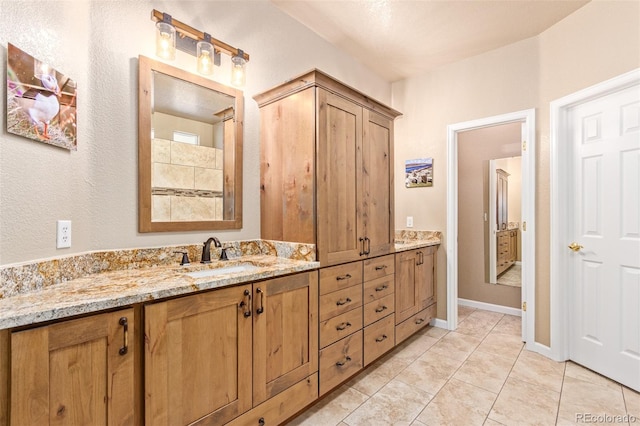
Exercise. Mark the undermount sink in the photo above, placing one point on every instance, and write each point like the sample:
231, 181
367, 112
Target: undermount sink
223, 270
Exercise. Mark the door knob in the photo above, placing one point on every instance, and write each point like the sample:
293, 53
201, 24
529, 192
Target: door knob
575, 246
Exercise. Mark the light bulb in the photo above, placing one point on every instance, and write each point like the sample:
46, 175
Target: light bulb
205, 57
238, 74
165, 41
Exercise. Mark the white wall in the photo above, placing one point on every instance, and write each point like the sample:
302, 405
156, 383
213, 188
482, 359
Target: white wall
598, 41
97, 43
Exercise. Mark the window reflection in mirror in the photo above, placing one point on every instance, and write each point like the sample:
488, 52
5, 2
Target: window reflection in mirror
190, 148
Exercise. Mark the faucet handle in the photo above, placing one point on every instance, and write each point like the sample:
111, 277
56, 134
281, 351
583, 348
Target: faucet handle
223, 254
185, 257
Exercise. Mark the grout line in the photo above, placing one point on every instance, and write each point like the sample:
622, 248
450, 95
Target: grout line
561, 392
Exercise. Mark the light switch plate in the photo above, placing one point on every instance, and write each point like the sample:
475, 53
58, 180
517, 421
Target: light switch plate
63, 234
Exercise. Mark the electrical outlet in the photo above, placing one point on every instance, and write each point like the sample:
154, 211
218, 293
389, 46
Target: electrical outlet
63, 234
409, 221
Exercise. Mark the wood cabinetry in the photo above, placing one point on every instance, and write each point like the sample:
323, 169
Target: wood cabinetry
213, 356
340, 324
415, 290
507, 246
327, 168
379, 307
78, 371
198, 358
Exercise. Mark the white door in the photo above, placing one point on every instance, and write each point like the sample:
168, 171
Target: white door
605, 253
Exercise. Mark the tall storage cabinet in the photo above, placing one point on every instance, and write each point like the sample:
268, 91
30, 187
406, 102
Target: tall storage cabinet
327, 168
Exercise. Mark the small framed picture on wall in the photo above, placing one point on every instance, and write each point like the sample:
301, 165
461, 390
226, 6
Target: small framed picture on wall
418, 172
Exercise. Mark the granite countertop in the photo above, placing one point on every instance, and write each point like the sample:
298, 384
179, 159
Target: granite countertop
107, 290
61, 288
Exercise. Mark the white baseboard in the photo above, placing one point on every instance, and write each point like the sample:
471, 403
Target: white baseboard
440, 323
490, 307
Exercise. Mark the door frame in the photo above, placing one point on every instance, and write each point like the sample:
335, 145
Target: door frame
561, 283
527, 118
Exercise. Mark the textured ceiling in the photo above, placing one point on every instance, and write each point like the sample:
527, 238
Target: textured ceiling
401, 38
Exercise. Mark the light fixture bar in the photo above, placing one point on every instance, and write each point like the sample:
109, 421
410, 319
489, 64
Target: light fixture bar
186, 31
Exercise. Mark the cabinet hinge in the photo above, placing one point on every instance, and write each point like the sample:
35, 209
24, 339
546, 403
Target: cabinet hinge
524, 306
524, 145
524, 226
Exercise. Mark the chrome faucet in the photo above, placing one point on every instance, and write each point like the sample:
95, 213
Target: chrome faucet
206, 250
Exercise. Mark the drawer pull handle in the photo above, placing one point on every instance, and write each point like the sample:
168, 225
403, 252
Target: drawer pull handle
125, 325
382, 287
343, 302
342, 363
381, 338
261, 308
381, 267
343, 277
380, 308
419, 321
246, 312
343, 326
261, 421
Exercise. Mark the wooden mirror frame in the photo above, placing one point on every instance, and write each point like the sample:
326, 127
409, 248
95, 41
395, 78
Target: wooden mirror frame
232, 181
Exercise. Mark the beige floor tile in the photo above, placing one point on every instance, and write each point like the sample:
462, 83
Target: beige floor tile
379, 374
581, 399
485, 370
458, 403
490, 422
414, 347
579, 372
456, 345
464, 312
539, 370
395, 404
509, 324
632, 401
480, 315
429, 372
475, 327
522, 403
332, 409
435, 332
417, 423
504, 345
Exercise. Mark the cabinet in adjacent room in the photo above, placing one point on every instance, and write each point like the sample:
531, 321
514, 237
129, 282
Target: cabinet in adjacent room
79, 371
327, 168
415, 294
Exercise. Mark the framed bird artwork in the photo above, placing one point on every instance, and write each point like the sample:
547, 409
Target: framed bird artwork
41, 102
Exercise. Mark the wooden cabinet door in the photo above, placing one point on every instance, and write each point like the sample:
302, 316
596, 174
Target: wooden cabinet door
407, 293
377, 184
339, 179
425, 276
76, 372
198, 358
285, 333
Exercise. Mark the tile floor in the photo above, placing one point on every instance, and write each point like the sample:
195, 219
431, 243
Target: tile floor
477, 375
512, 276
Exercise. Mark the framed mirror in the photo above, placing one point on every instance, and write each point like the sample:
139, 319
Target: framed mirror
189, 151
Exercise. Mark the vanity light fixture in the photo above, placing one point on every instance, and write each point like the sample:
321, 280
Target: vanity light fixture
171, 32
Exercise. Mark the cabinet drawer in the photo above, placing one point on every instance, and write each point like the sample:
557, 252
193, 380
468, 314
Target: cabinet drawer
339, 277
377, 309
276, 410
340, 326
378, 267
416, 322
340, 361
379, 288
340, 301
379, 338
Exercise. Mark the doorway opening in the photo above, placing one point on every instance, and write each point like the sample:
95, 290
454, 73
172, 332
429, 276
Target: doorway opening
524, 123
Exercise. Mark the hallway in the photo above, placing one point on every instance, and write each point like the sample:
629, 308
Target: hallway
478, 375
